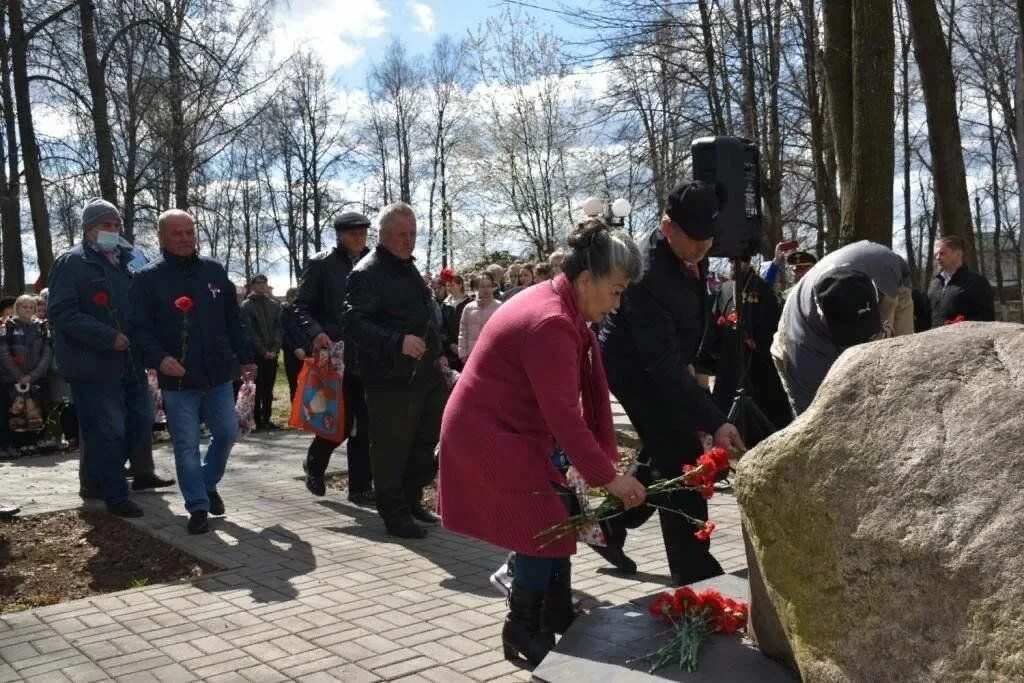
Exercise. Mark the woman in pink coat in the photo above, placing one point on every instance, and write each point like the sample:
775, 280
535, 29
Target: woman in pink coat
534, 381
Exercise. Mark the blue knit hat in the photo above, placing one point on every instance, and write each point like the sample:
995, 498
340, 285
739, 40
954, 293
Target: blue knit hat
97, 210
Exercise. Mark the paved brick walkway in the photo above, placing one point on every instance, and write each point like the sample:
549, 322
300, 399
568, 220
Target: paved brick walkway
312, 589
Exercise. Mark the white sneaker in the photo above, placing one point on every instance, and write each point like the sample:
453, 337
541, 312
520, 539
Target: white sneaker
501, 579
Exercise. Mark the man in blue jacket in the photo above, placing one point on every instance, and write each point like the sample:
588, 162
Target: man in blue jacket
186, 323
89, 299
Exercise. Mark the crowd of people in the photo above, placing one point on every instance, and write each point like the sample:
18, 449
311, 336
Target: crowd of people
495, 389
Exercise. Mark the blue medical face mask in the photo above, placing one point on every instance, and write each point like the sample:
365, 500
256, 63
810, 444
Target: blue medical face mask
108, 241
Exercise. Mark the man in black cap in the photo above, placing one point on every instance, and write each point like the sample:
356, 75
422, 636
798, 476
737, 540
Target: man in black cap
649, 345
262, 315
319, 309
857, 293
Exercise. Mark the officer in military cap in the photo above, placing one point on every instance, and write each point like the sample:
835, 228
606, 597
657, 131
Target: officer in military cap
319, 308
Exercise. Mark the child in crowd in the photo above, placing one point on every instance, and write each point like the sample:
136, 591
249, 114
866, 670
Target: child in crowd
24, 361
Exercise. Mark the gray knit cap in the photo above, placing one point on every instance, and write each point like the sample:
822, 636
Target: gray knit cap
97, 210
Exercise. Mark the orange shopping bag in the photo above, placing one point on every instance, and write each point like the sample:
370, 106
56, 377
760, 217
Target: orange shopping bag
319, 405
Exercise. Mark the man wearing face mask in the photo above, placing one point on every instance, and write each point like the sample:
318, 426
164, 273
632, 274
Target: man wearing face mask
89, 301
648, 346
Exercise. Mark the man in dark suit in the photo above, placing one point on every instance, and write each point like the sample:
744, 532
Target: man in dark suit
956, 293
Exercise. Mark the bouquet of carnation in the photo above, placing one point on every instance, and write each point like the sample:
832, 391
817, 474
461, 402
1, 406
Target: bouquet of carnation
699, 477
245, 405
694, 616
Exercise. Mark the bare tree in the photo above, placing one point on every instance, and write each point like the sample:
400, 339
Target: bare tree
396, 90
859, 63
935, 67
447, 74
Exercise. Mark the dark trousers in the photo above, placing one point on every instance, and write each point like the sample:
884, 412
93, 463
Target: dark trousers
115, 417
357, 427
140, 459
535, 573
404, 428
266, 375
292, 365
667, 446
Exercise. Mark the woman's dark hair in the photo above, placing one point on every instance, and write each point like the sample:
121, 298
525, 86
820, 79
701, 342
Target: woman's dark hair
593, 246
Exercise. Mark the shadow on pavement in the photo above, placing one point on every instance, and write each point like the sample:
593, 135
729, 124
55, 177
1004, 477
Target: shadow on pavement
470, 568
275, 554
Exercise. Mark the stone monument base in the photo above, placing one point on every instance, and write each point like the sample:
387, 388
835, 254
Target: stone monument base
609, 644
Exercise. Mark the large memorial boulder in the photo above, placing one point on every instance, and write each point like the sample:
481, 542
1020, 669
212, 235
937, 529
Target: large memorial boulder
888, 520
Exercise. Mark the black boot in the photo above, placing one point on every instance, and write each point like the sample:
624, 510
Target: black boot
558, 613
522, 634
618, 558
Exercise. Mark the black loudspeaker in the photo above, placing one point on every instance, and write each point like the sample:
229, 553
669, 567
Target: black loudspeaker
736, 164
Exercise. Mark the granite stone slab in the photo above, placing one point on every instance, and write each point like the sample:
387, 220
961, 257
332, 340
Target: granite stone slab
609, 643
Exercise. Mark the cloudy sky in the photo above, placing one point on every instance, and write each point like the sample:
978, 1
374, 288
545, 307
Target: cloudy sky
350, 34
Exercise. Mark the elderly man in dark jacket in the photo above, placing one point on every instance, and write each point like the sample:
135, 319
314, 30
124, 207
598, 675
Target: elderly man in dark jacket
321, 307
389, 315
88, 303
649, 346
185, 322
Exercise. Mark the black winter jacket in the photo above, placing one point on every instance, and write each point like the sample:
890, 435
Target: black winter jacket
216, 342
967, 294
385, 300
650, 341
320, 305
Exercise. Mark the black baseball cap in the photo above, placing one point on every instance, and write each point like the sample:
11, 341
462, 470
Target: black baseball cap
351, 220
694, 206
848, 299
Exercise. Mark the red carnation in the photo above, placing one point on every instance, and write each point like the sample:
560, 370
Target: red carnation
721, 321
665, 605
447, 276
101, 299
708, 464
705, 533
954, 321
183, 304
720, 456
686, 598
732, 318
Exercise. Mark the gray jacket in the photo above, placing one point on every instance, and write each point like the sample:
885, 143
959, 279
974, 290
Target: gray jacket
810, 351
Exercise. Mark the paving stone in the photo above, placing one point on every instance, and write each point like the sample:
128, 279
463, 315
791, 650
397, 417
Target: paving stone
326, 665
87, 672
263, 674
50, 664
235, 664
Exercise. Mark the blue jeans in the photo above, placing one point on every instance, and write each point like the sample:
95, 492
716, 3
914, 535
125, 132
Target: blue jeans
185, 410
114, 418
